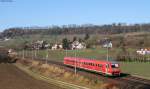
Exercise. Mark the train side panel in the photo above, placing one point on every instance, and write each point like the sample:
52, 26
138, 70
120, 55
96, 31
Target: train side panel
102, 67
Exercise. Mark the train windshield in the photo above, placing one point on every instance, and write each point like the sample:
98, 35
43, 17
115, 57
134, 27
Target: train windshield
114, 65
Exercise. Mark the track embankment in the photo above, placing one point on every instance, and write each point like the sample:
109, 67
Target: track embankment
38, 76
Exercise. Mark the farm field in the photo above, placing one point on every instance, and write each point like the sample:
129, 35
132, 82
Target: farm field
13, 78
133, 68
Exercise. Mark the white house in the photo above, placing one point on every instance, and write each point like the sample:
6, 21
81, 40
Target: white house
107, 45
57, 46
40, 44
6, 39
78, 45
143, 51
54, 47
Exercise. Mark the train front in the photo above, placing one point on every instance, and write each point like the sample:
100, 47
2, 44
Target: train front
115, 69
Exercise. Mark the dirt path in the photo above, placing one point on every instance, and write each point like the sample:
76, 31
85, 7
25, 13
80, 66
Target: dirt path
13, 78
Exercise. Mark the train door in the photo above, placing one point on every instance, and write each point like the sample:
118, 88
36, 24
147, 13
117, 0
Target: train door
101, 67
107, 68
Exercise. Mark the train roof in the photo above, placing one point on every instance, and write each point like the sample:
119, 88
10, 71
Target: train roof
88, 60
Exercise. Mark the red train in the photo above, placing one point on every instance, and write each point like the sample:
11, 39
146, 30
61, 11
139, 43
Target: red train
102, 67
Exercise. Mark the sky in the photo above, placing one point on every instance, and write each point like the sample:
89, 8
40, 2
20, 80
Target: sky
26, 13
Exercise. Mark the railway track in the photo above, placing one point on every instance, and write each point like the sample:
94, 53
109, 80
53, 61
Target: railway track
135, 82
136, 79
126, 82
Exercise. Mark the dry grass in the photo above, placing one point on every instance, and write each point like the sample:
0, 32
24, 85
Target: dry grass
44, 66
67, 75
109, 86
56, 72
35, 63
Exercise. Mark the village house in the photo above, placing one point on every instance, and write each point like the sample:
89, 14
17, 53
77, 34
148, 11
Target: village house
57, 46
78, 45
143, 52
107, 45
40, 45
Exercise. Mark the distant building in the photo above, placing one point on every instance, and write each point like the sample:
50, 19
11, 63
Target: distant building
106, 42
6, 39
107, 45
40, 45
78, 45
143, 52
57, 46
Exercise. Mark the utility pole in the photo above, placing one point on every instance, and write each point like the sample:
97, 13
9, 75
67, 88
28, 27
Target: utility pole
46, 56
32, 54
26, 53
66, 52
23, 54
107, 53
35, 53
107, 47
75, 63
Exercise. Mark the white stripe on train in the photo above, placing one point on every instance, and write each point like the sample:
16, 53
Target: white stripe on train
91, 70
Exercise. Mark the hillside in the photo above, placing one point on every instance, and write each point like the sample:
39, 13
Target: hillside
76, 29
129, 36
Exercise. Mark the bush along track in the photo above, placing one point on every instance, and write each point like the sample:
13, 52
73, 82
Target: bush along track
60, 77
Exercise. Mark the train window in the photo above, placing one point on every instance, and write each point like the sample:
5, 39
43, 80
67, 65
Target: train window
100, 65
92, 64
95, 64
114, 65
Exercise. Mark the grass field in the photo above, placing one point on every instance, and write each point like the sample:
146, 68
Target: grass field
58, 55
136, 68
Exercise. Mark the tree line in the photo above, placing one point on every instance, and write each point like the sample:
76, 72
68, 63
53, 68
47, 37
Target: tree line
76, 29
